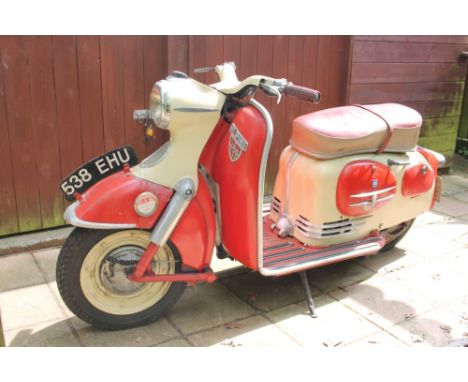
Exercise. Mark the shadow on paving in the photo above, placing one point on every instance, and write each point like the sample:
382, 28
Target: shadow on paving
275, 310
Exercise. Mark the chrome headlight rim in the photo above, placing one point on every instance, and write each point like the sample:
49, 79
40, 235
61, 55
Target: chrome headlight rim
161, 121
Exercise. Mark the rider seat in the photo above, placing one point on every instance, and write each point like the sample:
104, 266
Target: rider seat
346, 130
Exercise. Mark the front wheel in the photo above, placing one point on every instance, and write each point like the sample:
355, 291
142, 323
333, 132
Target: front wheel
92, 271
394, 234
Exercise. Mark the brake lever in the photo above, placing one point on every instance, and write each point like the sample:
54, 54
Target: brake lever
271, 91
205, 69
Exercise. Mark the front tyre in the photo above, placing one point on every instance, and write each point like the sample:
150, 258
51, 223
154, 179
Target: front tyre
92, 270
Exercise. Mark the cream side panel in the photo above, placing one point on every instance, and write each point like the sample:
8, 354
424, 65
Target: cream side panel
313, 196
190, 129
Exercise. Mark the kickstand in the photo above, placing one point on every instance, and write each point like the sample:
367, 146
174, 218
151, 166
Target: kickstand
310, 301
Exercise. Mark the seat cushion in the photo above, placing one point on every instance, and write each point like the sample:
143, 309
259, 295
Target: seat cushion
345, 130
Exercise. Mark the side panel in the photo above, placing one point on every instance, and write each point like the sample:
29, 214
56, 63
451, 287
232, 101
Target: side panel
238, 181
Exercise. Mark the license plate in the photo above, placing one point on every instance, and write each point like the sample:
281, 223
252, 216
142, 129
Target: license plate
95, 170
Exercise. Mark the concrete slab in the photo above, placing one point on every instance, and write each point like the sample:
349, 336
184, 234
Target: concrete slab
451, 207
252, 331
437, 327
461, 196
431, 217
383, 302
268, 293
434, 279
53, 333
149, 335
28, 307
426, 242
378, 341
18, 271
339, 275
452, 184
335, 326
390, 261
47, 260
454, 229
206, 306
175, 343
34, 240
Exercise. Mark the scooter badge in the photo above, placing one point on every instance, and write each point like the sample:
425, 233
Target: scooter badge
237, 143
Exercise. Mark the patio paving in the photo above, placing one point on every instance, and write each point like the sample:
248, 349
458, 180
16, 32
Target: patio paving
413, 295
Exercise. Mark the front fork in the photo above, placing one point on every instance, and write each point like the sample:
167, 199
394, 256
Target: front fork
184, 193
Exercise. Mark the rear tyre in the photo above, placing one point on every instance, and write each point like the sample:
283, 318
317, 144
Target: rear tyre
92, 270
394, 234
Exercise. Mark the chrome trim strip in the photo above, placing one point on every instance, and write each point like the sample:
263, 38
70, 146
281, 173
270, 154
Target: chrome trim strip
196, 109
441, 160
214, 192
261, 180
372, 193
71, 218
184, 192
371, 202
365, 249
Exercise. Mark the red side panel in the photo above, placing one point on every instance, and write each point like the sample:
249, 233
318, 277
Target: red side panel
417, 180
194, 236
238, 182
111, 201
359, 187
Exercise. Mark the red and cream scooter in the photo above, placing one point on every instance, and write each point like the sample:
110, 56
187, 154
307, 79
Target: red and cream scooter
349, 184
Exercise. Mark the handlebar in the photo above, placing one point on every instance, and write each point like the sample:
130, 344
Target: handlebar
301, 92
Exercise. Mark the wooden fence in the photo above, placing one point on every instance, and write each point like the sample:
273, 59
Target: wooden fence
423, 72
67, 99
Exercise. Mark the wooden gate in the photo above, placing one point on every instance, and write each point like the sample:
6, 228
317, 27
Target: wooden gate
67, 99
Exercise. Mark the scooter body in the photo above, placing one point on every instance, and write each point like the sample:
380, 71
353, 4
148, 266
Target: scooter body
204, 190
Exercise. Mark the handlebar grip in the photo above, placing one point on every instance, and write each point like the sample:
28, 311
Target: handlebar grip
301, 92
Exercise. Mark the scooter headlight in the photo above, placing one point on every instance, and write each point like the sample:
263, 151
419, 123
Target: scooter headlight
159, 106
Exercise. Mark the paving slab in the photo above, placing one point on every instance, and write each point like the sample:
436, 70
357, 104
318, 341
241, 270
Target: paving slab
454, 229
175, 343
382, 301
29, 306
53, 333
437, 327
378, 341
452, 184
431, 217
18, 271
268, 293
252, 331
206, 306
461, 196
339, 275
336, 325
47, 260
148, 335
390, 261
452, 207
426, 242
434, 279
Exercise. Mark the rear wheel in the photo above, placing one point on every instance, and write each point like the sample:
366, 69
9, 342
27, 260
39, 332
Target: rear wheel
92, 270
394, 234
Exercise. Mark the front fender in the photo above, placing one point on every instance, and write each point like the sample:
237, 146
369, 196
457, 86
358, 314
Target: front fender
109, 204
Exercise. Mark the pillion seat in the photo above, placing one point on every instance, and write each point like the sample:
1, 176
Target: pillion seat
346, 130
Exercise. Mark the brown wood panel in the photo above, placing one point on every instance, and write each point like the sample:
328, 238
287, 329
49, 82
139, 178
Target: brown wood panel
89, 82
8, 215
45, 129
178, 53
422, 39
214, 56
232, 48
368, 73
67, 103
155, 69
112, 91
248, 57
197, 56
439, 126
392, 51
431, 109
14, 57
339, 63
323, 70
134, 91
375, 93
310, 69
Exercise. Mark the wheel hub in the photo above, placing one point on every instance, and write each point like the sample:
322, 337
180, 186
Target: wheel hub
117, 266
